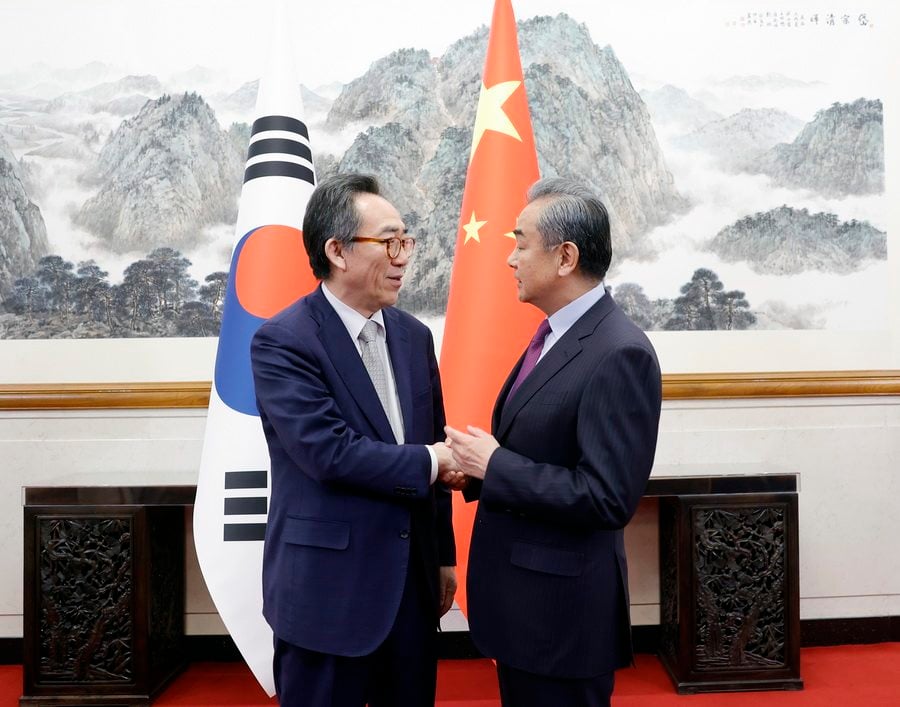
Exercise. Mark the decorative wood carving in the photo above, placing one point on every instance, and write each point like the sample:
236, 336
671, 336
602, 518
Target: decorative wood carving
104, 594
729, 610
85, 604
740, 574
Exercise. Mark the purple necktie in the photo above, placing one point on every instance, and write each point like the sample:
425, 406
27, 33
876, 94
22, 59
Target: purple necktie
531, 356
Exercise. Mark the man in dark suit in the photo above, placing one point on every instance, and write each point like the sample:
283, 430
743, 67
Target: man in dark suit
359, 549
575, 430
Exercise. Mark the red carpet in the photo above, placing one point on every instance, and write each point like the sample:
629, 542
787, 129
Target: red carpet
842, 676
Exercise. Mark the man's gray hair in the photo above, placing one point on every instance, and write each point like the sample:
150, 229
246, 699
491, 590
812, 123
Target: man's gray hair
574, 213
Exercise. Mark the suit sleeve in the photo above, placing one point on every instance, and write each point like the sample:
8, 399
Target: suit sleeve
296, 403
472, 491
616, 429
443, 495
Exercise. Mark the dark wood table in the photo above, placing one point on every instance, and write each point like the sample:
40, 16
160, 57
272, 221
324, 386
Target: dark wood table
104, 593
104, 587
729, 581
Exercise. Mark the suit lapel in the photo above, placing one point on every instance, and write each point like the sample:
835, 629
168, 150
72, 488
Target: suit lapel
562, 352
346, 359
400, 352
501, 397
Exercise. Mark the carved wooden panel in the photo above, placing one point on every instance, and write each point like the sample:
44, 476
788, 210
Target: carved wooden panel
740, 565
85, 600
104, 594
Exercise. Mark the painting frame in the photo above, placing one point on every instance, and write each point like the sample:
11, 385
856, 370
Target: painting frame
147, 373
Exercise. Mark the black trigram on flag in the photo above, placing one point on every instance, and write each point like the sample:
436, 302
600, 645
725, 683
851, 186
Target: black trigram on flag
279, 147
246, 504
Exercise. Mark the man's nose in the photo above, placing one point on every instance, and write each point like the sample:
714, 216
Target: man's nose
511, 259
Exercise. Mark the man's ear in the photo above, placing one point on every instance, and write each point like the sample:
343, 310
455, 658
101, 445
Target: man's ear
568, 258
334, 251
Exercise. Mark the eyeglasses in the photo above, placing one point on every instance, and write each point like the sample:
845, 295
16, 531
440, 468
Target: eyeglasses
393, 246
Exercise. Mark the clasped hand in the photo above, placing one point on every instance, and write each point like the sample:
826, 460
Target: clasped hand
463, 455
472, 451
448, 470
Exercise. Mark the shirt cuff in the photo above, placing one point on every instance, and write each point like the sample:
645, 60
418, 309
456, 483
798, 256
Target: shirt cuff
434, 464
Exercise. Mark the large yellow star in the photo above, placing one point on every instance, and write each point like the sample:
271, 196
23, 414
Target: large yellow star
490, 115
472, 228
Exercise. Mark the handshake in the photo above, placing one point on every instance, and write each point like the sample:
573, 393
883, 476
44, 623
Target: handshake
463, 455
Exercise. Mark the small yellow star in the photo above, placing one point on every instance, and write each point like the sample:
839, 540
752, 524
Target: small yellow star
511, 234
472, 228
490, 115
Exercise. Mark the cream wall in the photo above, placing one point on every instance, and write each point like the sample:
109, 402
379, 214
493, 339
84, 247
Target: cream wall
846, 450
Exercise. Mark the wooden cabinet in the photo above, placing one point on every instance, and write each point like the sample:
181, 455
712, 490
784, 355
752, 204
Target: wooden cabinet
729, 583
104, 594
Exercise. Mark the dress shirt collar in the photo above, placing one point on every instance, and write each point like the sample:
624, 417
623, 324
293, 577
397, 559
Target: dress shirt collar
353, 320
563, 319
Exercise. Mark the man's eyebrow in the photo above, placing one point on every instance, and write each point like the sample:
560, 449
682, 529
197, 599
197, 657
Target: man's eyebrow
517, 232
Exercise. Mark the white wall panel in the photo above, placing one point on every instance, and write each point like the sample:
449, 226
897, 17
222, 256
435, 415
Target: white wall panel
846, 450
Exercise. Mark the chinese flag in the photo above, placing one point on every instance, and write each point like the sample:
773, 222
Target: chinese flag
487, 328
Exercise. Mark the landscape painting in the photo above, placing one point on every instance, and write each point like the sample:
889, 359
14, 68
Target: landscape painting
740, 150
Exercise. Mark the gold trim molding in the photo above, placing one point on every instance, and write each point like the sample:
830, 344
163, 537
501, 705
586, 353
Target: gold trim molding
806, 384
88, 396
676, 386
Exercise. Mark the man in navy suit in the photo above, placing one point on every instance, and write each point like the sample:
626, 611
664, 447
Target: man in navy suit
359, 549
574, 434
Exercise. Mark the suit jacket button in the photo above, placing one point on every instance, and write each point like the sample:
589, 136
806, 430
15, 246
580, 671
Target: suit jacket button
404, 534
